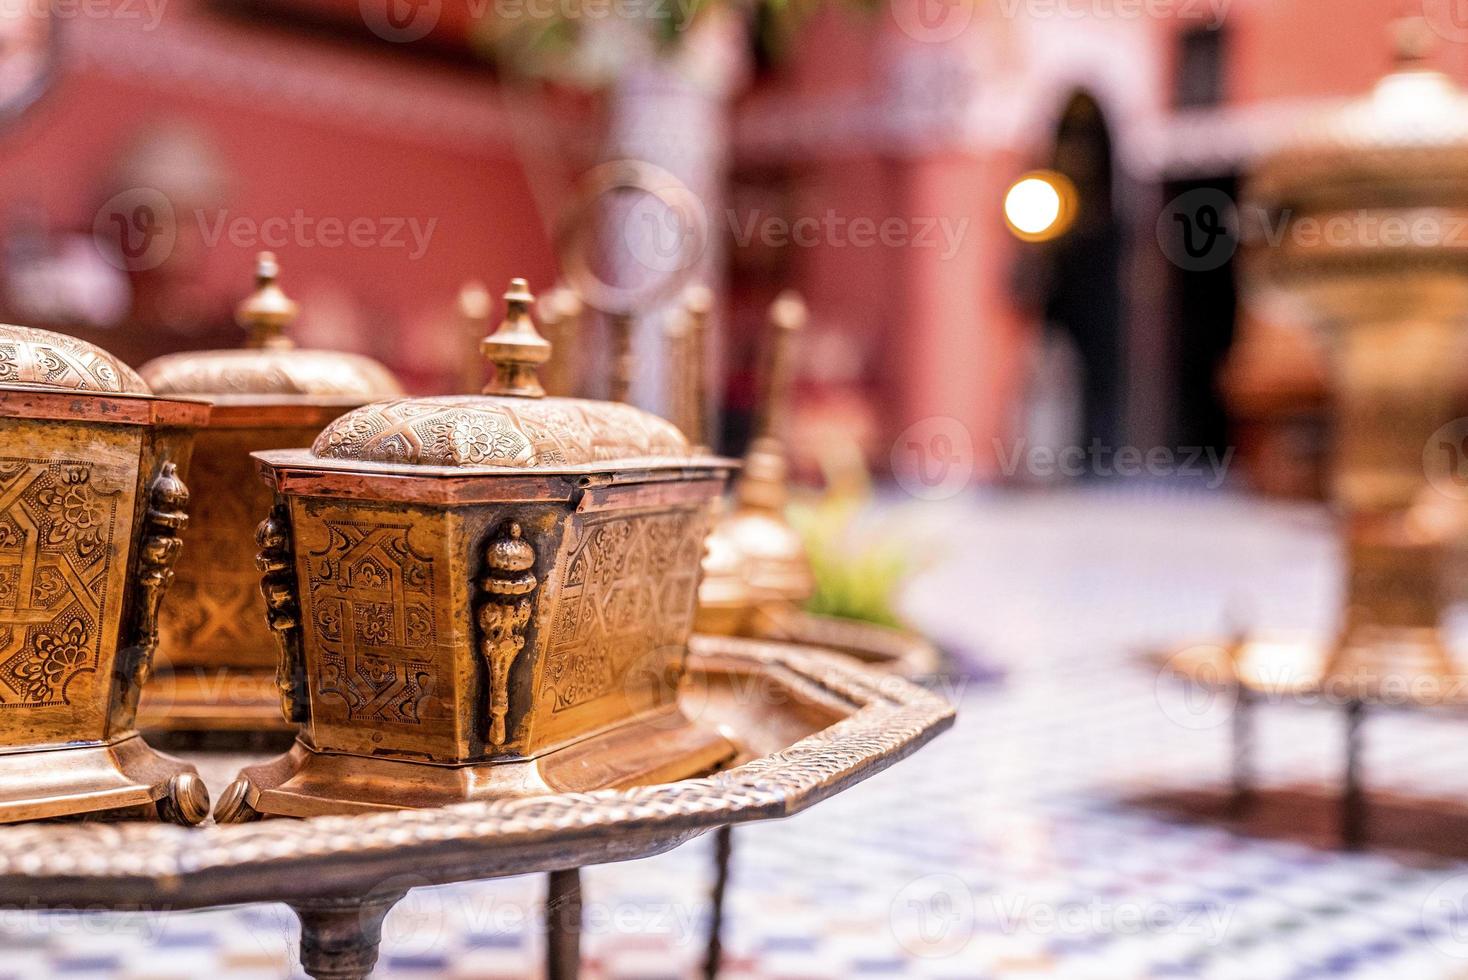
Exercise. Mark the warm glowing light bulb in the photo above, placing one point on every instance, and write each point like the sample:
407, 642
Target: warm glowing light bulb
1039, 206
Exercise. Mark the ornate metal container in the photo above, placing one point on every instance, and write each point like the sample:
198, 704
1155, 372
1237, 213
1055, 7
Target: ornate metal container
91, 507
483, 596
216, 659
1359, 218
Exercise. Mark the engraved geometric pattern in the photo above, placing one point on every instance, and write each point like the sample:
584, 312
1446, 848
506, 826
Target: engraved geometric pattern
56, 531
371, 599
628, 591
39, 357
464, 431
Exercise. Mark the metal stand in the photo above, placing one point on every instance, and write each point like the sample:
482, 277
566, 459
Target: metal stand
563, 924
723, 854
340, 936
1243, 752
1353, 797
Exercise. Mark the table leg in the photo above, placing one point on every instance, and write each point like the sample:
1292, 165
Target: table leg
563, 924
1353, 796
1243, 751
340, 936
723, 853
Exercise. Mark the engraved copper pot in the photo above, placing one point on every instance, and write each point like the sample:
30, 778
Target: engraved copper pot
482, 596
91, 507
1359, 220
216, 657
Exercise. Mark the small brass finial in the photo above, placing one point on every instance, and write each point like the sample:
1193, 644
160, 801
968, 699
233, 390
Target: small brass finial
1412, 41
516, 348
762, 483
267, 311
787, 318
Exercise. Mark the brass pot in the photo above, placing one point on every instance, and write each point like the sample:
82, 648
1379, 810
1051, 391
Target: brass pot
216, 658
91, 507
483, 596
1359, 220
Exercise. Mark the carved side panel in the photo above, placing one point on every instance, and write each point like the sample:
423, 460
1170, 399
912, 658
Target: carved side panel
66, 510
214, 616
625, 603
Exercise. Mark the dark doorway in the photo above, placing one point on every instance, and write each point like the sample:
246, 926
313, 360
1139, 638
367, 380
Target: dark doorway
1083, 298
1203, 308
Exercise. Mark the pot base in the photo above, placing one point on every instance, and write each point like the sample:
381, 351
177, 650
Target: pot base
305, 782
126, 778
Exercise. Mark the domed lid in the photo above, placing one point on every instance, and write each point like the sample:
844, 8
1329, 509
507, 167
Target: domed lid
269, 364
512, 424
34, 358
1403, 143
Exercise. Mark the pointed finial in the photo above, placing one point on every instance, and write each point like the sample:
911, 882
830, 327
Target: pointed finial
267, 311
787, 318
516, 348
1412, 42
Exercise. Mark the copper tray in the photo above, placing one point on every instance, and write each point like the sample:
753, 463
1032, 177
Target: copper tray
810, 724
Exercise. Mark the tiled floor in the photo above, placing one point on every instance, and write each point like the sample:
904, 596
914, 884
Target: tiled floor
1041, 837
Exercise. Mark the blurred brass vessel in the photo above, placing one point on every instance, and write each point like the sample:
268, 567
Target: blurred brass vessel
91, 508
216, 661
757, 575
483, 596
1360, 220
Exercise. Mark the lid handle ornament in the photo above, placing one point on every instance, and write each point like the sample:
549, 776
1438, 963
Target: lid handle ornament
267, 311
516, 348
762, 484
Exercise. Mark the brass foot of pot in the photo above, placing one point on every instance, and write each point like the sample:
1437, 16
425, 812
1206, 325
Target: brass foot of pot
125, 778
234, 805
186, 801
340, 937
